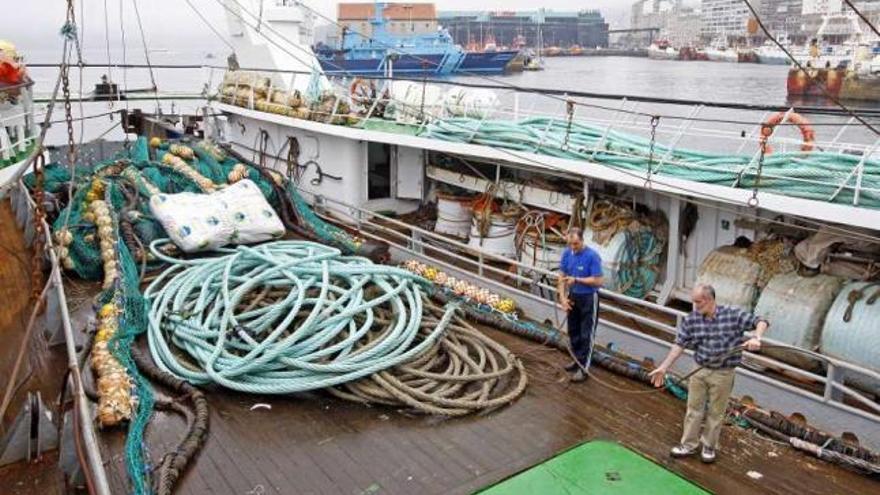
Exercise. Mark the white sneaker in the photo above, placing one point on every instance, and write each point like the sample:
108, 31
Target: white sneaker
707, 455
682, 451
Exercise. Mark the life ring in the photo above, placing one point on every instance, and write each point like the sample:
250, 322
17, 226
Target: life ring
807, 132
362, 91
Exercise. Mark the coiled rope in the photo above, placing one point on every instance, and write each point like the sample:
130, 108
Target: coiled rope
816, 175
284, 317
465, 372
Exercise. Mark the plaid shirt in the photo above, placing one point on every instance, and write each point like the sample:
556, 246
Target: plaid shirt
711, 338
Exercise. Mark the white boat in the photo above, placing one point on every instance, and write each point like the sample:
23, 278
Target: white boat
662, 51
18, 131
720, 52
772, 55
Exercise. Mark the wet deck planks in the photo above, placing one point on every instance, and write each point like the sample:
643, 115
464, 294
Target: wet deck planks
311, 443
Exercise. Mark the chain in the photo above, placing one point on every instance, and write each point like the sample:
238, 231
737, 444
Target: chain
753, 201
569, 108
39, 236
655, 121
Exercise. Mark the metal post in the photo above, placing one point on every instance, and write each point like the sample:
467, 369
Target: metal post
672, 249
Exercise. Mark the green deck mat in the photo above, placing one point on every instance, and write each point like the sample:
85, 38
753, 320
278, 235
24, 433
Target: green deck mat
595, 468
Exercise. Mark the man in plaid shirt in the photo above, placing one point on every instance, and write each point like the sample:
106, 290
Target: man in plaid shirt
715, 334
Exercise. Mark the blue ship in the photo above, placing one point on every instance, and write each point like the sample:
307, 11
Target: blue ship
386, 54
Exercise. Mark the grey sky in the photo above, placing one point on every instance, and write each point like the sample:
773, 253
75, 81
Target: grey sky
34, 25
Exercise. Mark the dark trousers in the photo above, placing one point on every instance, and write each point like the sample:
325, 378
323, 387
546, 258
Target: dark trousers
582, 320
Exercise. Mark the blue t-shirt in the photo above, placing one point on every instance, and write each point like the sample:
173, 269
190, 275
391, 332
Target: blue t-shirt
584, 263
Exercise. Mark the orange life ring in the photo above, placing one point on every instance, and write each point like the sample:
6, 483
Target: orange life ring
11, 72
807, 132
362, 91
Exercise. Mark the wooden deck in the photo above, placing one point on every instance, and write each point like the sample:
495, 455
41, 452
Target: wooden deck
312, 443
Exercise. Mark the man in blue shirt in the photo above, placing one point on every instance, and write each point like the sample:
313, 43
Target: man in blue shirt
578, 290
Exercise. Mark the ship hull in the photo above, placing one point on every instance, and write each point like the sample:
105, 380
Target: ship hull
800, 84
421, 64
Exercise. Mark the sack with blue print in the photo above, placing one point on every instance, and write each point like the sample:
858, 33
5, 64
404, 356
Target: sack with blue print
237, 214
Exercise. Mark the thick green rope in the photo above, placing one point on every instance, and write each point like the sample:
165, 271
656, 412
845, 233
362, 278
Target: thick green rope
815, 175
313, 326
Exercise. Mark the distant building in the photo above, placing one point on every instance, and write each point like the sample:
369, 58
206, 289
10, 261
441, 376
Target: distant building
404, 18
653, 13
725, 19
476, 29
821, 6
684, 28
784, 18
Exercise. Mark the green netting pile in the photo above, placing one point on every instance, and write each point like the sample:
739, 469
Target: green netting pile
126, 182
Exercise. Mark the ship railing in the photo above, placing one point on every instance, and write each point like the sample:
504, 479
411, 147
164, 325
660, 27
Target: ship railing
17, 127
712, 127
681, 127
528, 279
56, 304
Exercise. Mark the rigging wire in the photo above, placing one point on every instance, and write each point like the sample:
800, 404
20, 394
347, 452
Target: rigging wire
124, 71
501, 84
684, 190
210, 26
862, 16
137, 13
515, 87
261, 28
107, 43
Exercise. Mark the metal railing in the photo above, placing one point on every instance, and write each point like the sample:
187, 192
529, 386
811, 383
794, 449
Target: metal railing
85, 426
682, 128
17, 121
419, 239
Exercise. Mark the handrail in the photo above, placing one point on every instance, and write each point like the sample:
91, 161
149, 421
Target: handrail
90, 441
645, 304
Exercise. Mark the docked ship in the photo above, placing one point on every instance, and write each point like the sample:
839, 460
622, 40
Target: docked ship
663, 50
387, 53
326, 290
849, 70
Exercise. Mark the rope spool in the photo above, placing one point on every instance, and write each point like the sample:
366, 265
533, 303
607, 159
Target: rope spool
454, 215
464, 373
493, 229
496, 235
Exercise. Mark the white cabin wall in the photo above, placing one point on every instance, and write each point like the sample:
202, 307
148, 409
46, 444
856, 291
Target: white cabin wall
409, 172
715, 227
341, 157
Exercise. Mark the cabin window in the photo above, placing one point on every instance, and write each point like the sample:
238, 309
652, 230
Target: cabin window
378, 171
